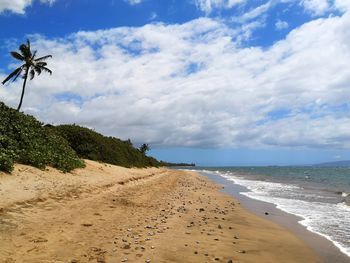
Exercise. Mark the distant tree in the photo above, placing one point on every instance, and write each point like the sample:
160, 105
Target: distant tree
30, 66
128, 142
144, 148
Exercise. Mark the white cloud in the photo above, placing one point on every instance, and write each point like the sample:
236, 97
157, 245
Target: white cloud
316, 7
153, 16
255, 12
19, 6
194, 85
342, 5
207, 6
252, 20
324, 7
50, 2
134, 2
280, 25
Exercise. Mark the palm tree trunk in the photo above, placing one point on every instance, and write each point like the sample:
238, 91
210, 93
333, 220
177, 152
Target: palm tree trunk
23, 88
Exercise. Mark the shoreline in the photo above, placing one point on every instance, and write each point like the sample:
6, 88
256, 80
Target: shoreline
104, 213
322, 246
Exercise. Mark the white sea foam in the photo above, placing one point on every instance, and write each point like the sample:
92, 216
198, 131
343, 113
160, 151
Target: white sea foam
327, 219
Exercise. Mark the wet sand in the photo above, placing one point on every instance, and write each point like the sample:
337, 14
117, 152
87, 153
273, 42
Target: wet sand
105, 213
323, 247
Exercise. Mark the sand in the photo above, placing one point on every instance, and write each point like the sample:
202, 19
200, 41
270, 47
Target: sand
105, 213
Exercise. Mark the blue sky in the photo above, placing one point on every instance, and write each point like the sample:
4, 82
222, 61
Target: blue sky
60, 18
216, 82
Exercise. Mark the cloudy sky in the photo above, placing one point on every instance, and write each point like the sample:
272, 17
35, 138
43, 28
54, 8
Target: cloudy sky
216, 82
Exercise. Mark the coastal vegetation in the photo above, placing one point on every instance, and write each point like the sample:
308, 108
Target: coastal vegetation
178, 164
23, 139
91, 145
144, 148
31, 66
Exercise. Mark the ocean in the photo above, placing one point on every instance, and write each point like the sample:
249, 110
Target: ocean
319, 195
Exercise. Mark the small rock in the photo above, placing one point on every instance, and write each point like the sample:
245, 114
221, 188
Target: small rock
266, 213
230, 261
127, 246
39, 240
219, 226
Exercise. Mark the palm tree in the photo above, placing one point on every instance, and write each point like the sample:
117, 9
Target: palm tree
30, 66
144, 148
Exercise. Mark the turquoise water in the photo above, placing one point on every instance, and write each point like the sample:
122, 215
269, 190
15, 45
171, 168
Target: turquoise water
320, 195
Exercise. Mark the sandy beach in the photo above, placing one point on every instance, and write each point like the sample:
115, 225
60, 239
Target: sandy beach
105, 213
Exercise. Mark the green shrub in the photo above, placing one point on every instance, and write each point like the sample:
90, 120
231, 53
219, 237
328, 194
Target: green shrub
24, 140
94, 146
6, 162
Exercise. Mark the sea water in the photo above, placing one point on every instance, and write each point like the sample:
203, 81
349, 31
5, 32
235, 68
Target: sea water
319, 195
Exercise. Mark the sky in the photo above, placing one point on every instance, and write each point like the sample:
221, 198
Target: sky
215, 82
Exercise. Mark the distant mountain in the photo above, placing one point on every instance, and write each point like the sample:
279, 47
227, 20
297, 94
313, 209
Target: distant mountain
334, 164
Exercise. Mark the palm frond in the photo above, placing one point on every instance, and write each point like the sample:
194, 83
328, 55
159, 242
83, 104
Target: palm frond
14, 73
37, 70
46, 70
25, 51
17, 75
28, 45
32, 74
41, 64
34, 54
16, 55
43, 58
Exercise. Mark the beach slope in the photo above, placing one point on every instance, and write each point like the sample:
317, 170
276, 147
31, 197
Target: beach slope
105, 213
